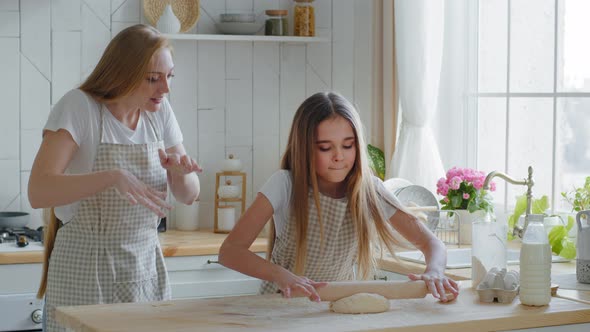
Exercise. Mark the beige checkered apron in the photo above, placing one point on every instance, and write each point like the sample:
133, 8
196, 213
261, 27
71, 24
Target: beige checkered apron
110, 252
335, 261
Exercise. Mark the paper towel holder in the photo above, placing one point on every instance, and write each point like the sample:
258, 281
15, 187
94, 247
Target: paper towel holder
225, 202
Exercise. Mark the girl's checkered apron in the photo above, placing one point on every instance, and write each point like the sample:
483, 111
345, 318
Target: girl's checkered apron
335, 259
110, 252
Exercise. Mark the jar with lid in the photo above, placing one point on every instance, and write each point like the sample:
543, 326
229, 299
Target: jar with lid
304, 22
276, 23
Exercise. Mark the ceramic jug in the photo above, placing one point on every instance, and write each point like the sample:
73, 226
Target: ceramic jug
583, 247
168, 23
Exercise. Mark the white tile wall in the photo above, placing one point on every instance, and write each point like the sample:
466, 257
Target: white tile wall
229, 97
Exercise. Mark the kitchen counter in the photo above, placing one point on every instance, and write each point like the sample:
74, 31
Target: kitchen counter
270, 312
174, 243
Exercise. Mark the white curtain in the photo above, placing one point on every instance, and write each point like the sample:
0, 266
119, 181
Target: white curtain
419, 28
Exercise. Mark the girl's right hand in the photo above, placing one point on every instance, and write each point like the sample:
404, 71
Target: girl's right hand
290, 283
137, 192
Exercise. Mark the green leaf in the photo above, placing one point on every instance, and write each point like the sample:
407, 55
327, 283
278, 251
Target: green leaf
377, 161
556, 237
539, 206
569, 249
570, 222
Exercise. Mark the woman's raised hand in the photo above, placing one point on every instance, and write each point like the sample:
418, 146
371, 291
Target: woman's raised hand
137, 192
290, 283
182, 164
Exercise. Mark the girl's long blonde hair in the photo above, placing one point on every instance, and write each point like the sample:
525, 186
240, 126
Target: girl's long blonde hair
119, 72
367, 216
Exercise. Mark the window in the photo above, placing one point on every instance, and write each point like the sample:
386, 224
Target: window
532, 101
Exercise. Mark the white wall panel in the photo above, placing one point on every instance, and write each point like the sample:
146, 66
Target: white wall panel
36, 34
211, 67
30, 143
363, 62
101, 9
228, 97
67, 14
343, 48
266, 106
187, 118
292, 83
239, 113
128, 11
183, 89
10, 179
66, 62
239, 5
36, 102
9, 5
95, 38
9, 94
9, 24
238, 60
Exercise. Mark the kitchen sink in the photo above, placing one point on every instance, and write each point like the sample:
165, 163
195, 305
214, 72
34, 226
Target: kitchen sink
459, 258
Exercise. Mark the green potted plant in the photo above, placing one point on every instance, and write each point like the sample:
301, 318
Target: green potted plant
558, 236
579, 198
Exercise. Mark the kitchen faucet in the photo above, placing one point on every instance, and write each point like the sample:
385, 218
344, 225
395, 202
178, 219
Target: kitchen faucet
529, 182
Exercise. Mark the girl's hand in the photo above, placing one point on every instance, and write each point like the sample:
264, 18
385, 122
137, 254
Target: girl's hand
290, 283
181, 164
438, 285
137, 192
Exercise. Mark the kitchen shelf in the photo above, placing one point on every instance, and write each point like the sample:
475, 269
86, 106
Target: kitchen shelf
254, 38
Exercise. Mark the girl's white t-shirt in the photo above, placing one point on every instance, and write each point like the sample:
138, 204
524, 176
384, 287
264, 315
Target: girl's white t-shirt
278, 189
79, 114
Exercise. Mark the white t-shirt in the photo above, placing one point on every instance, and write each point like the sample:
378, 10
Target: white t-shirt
79, 114
278, 189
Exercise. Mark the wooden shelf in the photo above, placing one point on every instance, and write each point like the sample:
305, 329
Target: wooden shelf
230, 199
253, 38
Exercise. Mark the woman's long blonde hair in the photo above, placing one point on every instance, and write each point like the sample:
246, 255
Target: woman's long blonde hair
119, 72
299, 158
124, 63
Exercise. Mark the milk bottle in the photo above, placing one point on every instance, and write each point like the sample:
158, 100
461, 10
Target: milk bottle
535, 264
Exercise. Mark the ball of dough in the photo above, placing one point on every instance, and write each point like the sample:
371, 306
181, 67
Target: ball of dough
361, 303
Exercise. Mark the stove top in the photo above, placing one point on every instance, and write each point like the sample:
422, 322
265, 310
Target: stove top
21, 236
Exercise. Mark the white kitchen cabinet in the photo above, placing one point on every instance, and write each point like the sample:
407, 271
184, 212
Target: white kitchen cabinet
387, 275
202, 276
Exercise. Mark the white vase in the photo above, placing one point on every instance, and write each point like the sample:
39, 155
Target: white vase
168, 22
465, 221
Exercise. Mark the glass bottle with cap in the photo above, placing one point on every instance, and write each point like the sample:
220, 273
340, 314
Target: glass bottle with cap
276, 23
304, 22
535, 263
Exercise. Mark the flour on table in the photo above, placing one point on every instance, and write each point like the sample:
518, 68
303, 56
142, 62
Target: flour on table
361, 303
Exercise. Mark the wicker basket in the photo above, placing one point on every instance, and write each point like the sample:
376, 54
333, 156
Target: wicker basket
187, 11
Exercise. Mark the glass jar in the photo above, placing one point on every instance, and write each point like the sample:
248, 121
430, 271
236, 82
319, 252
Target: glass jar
276, 23
304, 22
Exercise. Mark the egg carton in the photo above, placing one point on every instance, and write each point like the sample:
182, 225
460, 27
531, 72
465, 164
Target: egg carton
497, 294
498, 285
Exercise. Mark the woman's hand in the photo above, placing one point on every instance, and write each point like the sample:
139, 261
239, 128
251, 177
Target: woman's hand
290, 284
137, 192
180, 164
438, 285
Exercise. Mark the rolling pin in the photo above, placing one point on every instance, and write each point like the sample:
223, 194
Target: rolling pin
336, 290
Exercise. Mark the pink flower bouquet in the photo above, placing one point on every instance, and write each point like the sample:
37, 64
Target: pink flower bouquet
462, 190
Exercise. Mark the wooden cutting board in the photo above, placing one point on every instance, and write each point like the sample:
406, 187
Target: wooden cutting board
271, 313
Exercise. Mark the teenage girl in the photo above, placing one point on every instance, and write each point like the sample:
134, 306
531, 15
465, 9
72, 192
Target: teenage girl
329, 212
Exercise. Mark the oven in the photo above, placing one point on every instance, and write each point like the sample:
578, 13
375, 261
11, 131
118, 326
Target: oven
20, 310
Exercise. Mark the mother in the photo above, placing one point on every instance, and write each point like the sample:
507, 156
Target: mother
109, 151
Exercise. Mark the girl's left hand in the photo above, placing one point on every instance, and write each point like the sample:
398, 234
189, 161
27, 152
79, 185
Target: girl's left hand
438, 284
177, 163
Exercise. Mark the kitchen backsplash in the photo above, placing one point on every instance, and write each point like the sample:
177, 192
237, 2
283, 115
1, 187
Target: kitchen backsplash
229, 97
